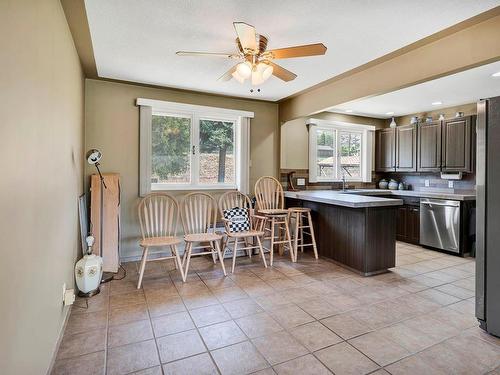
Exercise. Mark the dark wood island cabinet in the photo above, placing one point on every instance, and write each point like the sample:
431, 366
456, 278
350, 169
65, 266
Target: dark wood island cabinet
358, 232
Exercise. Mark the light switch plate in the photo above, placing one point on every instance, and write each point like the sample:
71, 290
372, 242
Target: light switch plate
301, 181
427, 183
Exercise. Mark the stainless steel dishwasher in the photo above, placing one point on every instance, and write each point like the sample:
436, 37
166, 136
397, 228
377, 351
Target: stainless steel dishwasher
440, 224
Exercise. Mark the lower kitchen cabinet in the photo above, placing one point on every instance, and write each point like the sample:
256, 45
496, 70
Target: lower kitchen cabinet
408, 222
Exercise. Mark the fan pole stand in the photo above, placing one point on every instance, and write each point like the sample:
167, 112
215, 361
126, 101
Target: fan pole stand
89, 294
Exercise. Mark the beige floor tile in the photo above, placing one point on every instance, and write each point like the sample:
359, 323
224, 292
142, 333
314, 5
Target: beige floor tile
172, 323
122, 286
89, 364
197, 300
409, 338
307, 365
149, 371
220, 283
200, 364
438, 297
258, 288
318, 308
81, 343
128, 314
161, 293
86, 322
191, 287
414, 366
180, 345
162, 306
132, 357
315, 336
222, 334
229, 294
279, 347
468, 283
379, 348
344, 359
432, 328
267, 371
242, 358
291, 316
474, 349
346, 326
129, 333
456, 291
454, 318
242, 307
342, 302
272, 301
126, 299
96, 303
258, 325
297, 295
209, 315
158, 283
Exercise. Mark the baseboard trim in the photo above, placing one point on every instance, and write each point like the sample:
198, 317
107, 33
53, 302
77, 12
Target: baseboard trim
59, 339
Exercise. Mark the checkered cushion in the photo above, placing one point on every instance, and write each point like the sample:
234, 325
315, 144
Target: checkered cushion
238, 218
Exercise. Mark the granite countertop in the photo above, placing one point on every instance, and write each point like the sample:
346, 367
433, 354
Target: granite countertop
413, 193
340, 198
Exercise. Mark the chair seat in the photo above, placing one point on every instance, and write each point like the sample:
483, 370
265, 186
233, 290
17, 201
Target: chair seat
160, 241
274, 212
299, 209
202, 237
247, 233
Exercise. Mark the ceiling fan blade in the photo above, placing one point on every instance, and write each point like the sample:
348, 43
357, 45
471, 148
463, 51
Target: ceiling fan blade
298, 51
228, 75
281, 72
246, 35
210, 54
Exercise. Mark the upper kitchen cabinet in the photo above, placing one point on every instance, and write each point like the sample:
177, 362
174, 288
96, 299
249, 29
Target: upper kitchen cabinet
429, 147
385, 155
457, 144
406, 148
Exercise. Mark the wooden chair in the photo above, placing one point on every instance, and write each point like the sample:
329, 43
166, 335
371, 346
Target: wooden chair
271, 204
233, 199
158, 217
199, 216
298, 215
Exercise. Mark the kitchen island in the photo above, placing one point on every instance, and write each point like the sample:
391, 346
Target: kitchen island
356, 231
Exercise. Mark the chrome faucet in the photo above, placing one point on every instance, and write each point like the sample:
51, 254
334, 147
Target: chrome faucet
344, 171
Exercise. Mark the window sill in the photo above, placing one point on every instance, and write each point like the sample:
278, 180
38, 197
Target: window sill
166, 187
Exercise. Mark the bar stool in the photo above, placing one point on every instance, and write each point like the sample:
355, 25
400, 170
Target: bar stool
270, 203
298, 214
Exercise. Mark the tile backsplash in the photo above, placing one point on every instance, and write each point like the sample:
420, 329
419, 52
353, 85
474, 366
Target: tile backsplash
413, 181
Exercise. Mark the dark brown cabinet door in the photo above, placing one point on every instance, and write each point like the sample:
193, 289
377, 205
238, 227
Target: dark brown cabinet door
413, 225
456, 145
429, 147
401, 224
385, 150
406, 148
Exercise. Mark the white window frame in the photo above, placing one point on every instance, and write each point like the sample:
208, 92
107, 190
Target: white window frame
366, 132
149, 107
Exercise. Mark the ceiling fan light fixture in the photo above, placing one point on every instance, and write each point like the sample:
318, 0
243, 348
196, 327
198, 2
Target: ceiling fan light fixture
238, 77
266, 70
257, 77
244, 69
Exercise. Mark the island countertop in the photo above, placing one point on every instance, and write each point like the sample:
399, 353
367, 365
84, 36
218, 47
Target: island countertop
340, 198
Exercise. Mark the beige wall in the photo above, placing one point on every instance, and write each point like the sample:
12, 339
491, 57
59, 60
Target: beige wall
41, 136
294, 150
112, 125
467, 109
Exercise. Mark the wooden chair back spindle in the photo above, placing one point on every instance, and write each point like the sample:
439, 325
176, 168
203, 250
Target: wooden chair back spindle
158, 215
269, 194
199, 213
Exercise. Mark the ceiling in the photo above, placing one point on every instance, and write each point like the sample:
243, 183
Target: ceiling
462, 88
136, 40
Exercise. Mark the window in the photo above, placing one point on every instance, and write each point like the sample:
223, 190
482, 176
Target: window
192, 147
339, 150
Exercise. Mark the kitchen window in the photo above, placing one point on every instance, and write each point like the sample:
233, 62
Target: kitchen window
188, 147
339, 150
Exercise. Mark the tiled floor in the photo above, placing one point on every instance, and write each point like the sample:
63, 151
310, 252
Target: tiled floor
312, 317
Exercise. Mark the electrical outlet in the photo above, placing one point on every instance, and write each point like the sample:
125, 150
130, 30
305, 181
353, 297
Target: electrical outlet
301, 181
64, 291
427, 183
450, 184
69, 297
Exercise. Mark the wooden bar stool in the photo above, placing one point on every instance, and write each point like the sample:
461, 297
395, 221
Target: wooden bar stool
270, 203
298, 214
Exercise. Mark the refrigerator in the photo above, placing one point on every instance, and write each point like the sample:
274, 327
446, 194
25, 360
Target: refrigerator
488, 215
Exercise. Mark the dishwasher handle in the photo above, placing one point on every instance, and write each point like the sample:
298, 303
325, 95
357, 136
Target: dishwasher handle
440, 203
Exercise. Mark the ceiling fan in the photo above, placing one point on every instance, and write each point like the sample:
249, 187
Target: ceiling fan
257, 64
